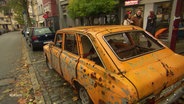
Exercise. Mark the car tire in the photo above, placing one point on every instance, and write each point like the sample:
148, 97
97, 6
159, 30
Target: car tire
48, 64
83, 95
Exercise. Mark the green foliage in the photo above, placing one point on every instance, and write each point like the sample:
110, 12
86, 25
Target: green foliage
18, 6
90, 8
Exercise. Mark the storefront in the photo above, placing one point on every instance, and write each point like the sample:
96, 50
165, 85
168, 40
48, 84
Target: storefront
161, 8
163, 13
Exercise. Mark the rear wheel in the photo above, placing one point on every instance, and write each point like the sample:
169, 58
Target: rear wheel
83, 94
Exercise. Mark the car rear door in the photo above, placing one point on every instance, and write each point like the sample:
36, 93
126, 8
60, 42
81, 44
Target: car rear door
69, 57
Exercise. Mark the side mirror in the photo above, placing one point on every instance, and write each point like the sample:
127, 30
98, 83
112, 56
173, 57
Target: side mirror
51, 44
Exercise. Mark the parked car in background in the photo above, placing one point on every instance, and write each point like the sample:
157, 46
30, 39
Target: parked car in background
39, 36
2, 31
116, 65
25, 31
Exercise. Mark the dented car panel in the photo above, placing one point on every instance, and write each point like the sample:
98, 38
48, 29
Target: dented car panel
116, 64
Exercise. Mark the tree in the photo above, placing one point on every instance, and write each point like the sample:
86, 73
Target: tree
19, 7
90, 8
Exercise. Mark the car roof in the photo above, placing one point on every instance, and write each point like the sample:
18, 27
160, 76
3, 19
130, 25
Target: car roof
94, 30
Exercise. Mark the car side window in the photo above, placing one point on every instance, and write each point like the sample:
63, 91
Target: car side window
58, 42
89, 51
70, 43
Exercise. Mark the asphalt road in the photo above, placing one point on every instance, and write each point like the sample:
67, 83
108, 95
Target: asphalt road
10, 52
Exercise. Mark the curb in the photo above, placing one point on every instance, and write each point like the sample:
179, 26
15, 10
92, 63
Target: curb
36, 86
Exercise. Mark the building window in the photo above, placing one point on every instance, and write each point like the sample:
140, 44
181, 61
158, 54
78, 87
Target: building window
163, 11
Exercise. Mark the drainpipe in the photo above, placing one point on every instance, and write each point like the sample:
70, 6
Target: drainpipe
174, 23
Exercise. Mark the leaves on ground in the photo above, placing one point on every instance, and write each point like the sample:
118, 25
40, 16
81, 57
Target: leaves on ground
7, 91
75, 98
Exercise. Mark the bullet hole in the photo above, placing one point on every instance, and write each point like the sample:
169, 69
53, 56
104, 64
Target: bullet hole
100, 84
95, 85
152, 83
109, 82
113, 86
100, 79
84, 70
103, 93
93, 76
101, 102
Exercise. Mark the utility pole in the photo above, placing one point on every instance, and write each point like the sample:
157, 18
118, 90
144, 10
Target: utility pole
174, 23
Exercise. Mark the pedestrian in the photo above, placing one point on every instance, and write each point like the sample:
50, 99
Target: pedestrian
127, 19
137, 19
151, 23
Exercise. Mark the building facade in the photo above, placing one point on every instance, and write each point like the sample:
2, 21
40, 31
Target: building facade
6, 19
40, 9
51, 14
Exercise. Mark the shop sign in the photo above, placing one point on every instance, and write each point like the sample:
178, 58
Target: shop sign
131, 2
45, 16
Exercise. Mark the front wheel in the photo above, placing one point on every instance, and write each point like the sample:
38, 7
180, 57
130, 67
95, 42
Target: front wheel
83, 94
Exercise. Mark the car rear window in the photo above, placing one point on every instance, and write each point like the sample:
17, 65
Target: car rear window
131, 44
42, 31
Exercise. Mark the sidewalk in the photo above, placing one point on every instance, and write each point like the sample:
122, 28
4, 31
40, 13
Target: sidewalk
39, 99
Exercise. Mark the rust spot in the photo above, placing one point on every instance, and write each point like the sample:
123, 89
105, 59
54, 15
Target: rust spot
113, 86
100, 79
109, 82
101, 102
171, 72
93, 75
112, 77
95, 85
100, 84
103, 93
168, 69
152, 83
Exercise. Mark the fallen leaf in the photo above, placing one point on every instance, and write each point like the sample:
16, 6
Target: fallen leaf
75, 98
65, 84
6, 91
22, 101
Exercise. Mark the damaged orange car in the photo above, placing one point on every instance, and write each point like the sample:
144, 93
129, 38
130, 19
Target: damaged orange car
116, 65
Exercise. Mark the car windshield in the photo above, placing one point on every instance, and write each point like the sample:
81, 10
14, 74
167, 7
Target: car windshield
128, 44
42, 31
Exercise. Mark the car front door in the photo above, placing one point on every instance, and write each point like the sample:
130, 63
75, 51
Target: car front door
56, 52
69, 57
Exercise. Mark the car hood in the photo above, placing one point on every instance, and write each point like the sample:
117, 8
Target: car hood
155, 72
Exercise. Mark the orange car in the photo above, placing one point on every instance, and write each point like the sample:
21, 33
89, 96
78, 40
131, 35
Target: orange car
116, 65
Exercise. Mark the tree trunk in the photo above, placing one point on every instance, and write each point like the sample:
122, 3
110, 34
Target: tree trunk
26, 8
